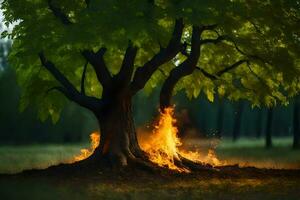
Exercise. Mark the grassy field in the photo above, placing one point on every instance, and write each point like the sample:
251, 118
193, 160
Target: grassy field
245, 152
252, 152
197, 188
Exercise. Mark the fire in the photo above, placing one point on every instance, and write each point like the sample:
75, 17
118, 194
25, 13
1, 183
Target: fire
197, 156
95, 140
164, 145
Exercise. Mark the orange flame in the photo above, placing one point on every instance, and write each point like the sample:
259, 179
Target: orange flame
95, 140
163, 146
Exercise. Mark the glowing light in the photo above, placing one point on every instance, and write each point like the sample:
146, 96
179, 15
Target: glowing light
164, 145
85, 153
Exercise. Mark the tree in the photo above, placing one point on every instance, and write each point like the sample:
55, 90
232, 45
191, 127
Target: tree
296, 122
269, 142
100, 53
220, 117
259, 125
237, 121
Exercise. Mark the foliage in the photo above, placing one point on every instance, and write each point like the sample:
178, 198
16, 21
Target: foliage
263, 33
25, 128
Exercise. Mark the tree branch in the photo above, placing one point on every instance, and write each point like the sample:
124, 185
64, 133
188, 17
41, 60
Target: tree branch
207, 74
185, 68
127, 67
58, 88
67, 87
222, 38
221, 72
256, 27
250, 56
209, 27
144, 73
87, 2
183, 50
233, 66
57, 74
83, 78
213, 41
98, 63
59, 13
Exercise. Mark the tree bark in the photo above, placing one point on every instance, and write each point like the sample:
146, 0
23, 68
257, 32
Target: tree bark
237, 121
269, 143
118, 141
186, 68
296, 126
259, 123
220, 117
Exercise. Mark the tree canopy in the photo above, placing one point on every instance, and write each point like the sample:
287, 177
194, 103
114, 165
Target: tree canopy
249, 49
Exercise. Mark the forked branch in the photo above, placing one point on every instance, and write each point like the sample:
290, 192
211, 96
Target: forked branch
99, 65
125, 73
144, 73
185, 68
57, 74
67, 88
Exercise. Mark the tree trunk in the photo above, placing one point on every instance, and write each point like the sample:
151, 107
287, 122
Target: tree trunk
269, 129
296, 144
259, 123
118, 140
220, 118
237, 121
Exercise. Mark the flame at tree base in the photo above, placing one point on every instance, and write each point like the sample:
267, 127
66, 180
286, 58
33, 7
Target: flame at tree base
163, 146
85, 153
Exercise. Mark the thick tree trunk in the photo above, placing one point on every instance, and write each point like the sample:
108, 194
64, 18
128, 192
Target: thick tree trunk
118, 140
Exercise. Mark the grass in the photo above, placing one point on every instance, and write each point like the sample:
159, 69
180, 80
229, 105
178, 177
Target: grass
252, 152
194, 188
15, 159
246, 152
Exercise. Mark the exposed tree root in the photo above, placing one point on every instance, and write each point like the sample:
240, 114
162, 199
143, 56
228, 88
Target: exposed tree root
145, 168
193, 166
145, 165
134, 164
102, 166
